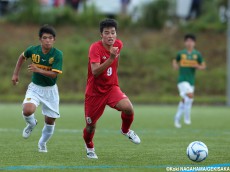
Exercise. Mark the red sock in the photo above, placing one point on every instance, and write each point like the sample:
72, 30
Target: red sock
126, 122
88, 137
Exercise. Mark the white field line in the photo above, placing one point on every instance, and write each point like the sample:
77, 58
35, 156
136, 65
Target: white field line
57, 130
163, 132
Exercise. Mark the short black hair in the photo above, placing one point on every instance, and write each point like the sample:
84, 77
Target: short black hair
46, 29
108, 23
190, 36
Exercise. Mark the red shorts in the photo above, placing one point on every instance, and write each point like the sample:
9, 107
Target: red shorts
95, 105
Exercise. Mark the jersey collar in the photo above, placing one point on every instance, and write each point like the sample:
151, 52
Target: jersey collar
188, 52
51, 50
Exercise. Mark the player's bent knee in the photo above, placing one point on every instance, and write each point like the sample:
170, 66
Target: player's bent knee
188, 101
27, 111
128, 110
49, 121
125, 106
190, 95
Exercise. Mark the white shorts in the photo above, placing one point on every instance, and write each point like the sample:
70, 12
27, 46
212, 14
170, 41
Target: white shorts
185, 88
48, 96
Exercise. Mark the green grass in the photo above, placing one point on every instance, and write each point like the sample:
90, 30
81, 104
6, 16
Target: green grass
162, 145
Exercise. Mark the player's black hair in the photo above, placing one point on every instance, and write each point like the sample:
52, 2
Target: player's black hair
190, 36
107, 23
46, 29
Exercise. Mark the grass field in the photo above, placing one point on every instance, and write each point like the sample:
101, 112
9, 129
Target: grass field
162, 145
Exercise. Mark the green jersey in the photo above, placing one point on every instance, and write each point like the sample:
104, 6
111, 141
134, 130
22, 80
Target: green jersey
52, 61
187, 61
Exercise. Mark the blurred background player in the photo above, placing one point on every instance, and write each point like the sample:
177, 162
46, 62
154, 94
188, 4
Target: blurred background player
102, 86
187, 62
46, 65
124, 6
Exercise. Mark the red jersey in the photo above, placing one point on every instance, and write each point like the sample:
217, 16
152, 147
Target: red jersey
108, 78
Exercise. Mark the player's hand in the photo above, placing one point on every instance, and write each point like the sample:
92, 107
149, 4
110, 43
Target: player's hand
114, 52
196, 66
33, 68
15, 79
175, 66
199, 67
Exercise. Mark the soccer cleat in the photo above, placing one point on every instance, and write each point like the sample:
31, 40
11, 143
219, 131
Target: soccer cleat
90, 153
177, 124
188, 122
42, 148
133, 137
28, 129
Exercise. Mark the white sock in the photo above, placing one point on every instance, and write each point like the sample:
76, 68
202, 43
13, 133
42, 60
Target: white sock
180, 111
47, 132
30, 119
187, 108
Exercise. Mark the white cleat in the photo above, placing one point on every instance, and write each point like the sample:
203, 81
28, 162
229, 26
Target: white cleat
133, 137
177, 124
188, 122
42, 148
28, 130
90, 153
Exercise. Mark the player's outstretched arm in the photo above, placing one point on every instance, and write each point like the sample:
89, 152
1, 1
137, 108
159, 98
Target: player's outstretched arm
98, 68
34, 68
175, 64
15, 77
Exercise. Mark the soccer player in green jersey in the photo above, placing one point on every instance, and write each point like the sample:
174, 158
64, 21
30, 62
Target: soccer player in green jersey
187, 62
46, 64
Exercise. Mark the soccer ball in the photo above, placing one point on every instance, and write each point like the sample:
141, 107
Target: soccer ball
197, 151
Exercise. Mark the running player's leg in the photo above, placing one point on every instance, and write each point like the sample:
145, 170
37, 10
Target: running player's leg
50, 110
94, 108
184, 107
30, 104
188, 100
88, 134
121, 102
47, 133
180, 110
127, 114
28, 113
179, 113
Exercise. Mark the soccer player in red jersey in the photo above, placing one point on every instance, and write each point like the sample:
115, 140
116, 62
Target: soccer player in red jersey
102, 86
